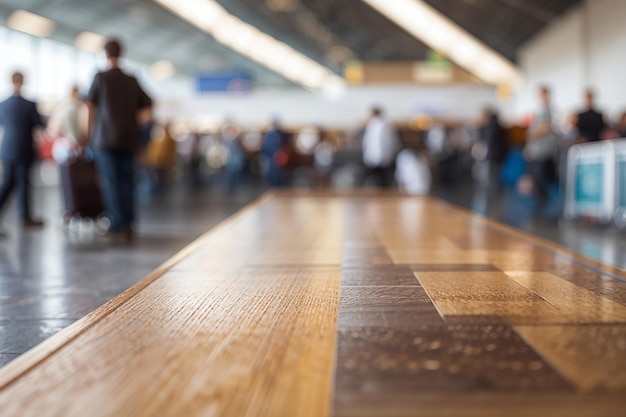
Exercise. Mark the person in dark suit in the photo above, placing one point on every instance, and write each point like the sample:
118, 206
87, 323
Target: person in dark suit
19, 117
590, 123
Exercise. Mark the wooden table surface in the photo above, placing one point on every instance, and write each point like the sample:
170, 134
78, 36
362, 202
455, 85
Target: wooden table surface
321, 305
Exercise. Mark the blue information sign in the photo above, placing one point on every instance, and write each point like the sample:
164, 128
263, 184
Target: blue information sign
225, 82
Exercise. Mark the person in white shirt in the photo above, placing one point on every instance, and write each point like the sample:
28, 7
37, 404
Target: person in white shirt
64, 127
380, 145
413, 173
64, 121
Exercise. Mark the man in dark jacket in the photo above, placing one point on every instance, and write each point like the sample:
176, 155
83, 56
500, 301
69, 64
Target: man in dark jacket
19, 117
590, 123
114, 102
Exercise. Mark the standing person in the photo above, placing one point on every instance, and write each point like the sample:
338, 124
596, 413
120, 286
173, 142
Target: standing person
620, 126
114, 102
493, 137
590, 122
64, 121
539, 151
19, 117
275, 139
237, 160
380, 145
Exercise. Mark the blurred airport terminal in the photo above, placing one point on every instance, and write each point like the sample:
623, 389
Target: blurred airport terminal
312, 208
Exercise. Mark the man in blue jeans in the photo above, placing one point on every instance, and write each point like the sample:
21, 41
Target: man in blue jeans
114, 102
18, 117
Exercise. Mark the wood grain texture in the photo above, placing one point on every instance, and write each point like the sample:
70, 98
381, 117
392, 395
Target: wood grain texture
397, 358
226, 341
592, 357
38, 354
576, 304
414, 307
486, 293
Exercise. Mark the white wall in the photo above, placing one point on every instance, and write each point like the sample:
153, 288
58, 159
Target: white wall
585, 48
298, 107
607, 64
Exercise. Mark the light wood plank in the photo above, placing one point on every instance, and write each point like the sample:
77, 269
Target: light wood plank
259, 343
576, 304
485, 293
45, 350
593, 357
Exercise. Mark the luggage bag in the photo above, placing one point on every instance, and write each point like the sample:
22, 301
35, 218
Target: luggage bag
81, 188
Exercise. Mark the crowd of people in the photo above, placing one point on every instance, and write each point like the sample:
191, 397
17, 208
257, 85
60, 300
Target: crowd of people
542, 158
119, 123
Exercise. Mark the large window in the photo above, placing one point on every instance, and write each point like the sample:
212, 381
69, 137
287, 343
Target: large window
51, 68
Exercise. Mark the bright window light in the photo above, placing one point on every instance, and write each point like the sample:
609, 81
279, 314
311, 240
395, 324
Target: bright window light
31, 23
445, 36
162, 70
249, 41
89, 42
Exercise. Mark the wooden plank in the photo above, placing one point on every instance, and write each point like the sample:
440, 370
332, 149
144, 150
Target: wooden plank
486, 293
41, 352
227, 346
592, 357
439, 256
224, 340
576, 304
482, 404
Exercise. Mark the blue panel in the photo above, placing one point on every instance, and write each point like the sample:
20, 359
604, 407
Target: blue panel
234, 82
589, 189
622, 182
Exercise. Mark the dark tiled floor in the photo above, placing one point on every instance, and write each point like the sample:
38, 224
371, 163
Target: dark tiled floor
19, 336
52, 277
6, 358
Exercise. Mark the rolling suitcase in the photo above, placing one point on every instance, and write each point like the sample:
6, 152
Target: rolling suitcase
81, 189
590, 187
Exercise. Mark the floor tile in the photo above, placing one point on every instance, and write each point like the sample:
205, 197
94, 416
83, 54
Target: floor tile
5, 358
19, 336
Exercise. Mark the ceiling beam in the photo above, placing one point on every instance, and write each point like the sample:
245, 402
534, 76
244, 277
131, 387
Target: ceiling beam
443, 35
247, 40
